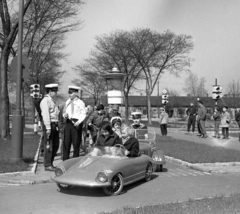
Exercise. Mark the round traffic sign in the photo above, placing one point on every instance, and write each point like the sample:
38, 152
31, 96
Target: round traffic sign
25, 68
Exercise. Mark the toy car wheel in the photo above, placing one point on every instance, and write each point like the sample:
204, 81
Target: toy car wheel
148, 173
159, 168
116, 186
63, 186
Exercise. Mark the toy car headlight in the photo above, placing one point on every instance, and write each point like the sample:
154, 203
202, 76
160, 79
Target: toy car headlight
102, 177
59, 171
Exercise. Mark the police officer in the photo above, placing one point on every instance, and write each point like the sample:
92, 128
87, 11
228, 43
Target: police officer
74, 113
50, 114
136, 116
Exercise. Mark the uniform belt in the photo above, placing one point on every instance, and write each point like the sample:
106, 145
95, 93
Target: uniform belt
73, 120
54, 122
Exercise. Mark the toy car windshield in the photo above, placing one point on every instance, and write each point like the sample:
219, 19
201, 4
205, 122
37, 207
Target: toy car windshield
145, 134
107, 151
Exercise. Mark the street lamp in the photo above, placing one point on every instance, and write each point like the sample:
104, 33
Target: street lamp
114, 80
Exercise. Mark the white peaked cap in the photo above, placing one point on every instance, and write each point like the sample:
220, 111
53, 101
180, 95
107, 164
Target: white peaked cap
52, 85
136, 113
74, 87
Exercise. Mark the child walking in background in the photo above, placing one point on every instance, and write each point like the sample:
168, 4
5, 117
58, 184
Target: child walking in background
163, 121
217, 120
225, 121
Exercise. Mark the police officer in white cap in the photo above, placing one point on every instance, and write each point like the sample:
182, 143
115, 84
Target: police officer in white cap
74, 112
50, 115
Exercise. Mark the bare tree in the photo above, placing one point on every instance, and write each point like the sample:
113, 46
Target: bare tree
194, 86
158, 53
233, 90
44, 24
172, 92
112, 51
201, 91
191, 83
90, 81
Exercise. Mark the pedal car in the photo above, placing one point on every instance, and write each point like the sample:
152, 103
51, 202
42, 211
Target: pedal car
109, 168
147, 143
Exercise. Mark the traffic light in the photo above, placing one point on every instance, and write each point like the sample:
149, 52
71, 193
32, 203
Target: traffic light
216, 92
164, 99
35, 89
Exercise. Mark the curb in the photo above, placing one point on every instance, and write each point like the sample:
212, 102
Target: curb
24, 173
201, 168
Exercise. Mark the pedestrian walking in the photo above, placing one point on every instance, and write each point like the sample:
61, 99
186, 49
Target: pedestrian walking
237, 118
191, 113
217, 120
225, 121
50, 116
74, 113
163, 121
201, 118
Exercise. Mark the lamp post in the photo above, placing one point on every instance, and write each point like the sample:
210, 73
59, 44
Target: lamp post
17, 129
114, 80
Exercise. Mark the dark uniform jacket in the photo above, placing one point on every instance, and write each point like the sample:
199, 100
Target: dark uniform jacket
132, 145
111, 140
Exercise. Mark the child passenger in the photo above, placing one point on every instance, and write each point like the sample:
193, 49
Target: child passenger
107, 137
217, 120
116, 123
130, 143
225, 121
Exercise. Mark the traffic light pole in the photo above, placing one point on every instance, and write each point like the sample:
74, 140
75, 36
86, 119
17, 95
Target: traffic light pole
17, 121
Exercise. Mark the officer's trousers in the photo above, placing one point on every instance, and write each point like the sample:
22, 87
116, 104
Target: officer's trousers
72, 135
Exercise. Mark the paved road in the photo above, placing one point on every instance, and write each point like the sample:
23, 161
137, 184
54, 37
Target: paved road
176, 183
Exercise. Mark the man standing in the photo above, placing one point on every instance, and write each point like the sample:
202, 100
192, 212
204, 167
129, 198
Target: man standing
95, 121
191, 112
114, 112
201, 118
50, 114
74, 113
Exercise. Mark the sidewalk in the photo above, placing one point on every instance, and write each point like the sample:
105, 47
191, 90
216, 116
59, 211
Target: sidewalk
38, 175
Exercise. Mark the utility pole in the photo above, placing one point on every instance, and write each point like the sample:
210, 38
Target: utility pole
17, 129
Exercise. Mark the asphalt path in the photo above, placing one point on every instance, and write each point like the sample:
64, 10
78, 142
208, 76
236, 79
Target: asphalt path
175, 184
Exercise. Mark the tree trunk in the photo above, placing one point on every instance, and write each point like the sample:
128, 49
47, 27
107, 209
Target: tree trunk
126, 108
4, 102
149, 109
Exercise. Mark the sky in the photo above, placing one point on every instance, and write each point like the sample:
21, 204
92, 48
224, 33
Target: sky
213, 24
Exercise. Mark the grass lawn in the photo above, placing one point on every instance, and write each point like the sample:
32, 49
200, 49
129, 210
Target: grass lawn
30, 146
216, 205
195, 152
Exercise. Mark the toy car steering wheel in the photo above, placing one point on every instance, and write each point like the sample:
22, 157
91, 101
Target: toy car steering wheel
121, 146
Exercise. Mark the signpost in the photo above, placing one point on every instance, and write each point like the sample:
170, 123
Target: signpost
216, 92
164, 97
